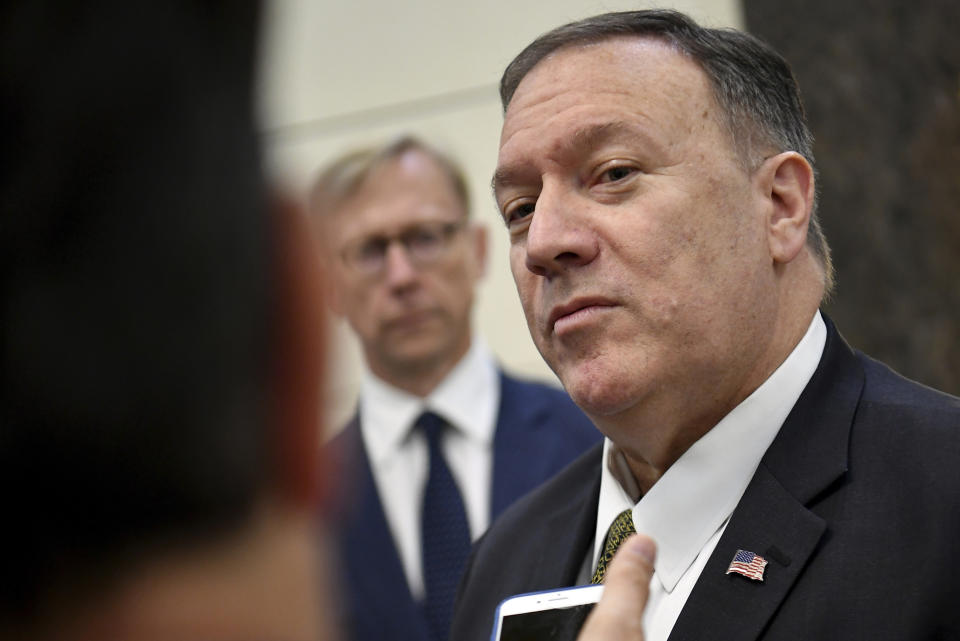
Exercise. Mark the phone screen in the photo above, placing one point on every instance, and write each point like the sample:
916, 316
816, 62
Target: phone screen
559, 624
552, 615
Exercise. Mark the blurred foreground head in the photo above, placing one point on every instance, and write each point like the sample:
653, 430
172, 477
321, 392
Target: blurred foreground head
159, 336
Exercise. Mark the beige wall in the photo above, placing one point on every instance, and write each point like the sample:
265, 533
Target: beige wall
338, 74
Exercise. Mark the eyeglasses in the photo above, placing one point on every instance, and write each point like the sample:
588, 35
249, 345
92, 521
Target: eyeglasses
425, 244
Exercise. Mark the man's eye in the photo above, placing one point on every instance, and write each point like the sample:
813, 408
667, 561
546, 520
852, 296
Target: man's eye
372, 249
614, 174
519, 211
424, 238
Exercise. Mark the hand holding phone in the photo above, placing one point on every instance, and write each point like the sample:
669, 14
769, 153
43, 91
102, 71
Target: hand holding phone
558, 615
554, 615
619, 614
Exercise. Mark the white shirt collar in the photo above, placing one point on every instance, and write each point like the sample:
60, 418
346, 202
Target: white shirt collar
698, 493
468, 398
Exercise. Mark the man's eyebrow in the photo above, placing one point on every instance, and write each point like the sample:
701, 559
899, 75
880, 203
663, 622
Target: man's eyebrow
502, 177
584, 137
595, 134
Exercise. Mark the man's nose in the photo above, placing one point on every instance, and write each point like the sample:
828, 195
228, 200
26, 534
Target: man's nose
560, 235
398, 267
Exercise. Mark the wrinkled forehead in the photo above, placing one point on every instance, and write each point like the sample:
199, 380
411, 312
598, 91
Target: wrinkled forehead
635, 68
624, 89
641, 51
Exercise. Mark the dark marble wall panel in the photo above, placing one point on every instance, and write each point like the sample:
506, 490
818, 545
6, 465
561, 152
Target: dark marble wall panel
881, 83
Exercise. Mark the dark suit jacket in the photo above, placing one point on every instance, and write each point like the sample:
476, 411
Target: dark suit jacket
539, 431
856, 506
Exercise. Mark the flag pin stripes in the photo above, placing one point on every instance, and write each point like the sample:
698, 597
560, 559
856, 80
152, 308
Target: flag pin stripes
748, 564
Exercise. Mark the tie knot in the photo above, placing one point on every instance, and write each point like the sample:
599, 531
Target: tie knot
432, 426
620, 529
622, 526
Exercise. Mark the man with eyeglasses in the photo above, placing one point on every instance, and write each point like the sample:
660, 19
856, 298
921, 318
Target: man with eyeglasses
442, 440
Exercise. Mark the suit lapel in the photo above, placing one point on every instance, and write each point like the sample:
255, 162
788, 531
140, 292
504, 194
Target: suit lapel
772, 524
568, 532
372, 568
773, 518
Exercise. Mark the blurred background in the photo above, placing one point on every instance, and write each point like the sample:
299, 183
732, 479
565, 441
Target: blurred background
881, 80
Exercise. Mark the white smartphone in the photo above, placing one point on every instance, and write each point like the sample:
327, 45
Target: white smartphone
554, 615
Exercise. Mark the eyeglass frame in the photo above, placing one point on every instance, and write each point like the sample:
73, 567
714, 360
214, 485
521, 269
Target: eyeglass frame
444, 231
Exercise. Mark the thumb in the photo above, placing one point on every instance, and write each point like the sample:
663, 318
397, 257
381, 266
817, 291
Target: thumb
619, 614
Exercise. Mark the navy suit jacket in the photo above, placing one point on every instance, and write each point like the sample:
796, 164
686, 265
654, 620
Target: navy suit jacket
855, 505
539, 431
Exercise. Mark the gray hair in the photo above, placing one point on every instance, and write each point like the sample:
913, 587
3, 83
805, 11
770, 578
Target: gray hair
752, 84
344, 176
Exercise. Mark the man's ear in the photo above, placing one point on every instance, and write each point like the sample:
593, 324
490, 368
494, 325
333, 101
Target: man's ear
297, 358
787, 181
478, 238
333, 294
320, 228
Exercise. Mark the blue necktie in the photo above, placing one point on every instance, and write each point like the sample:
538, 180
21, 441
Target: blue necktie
445, 537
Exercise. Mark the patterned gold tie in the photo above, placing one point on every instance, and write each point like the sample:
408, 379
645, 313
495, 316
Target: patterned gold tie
620, 529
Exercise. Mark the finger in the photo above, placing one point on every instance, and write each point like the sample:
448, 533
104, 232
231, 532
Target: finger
619, 614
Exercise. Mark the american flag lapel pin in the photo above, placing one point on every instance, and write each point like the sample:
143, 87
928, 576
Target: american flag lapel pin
748, 564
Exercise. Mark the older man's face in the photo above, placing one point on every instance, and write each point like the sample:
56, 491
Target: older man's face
411, 316
638, 241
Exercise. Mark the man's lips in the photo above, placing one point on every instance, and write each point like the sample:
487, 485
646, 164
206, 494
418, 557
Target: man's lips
410, 320
578, 309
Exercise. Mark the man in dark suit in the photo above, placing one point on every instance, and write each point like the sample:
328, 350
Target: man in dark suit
443, 440
657, 182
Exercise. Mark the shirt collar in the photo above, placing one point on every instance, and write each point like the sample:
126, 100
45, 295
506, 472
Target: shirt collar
468, 398
699, 492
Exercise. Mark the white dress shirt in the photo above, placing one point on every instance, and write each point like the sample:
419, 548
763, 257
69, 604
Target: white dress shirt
687, 509
469, 399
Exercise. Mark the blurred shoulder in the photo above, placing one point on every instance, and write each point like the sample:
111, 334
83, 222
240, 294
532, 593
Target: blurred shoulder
542, 403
